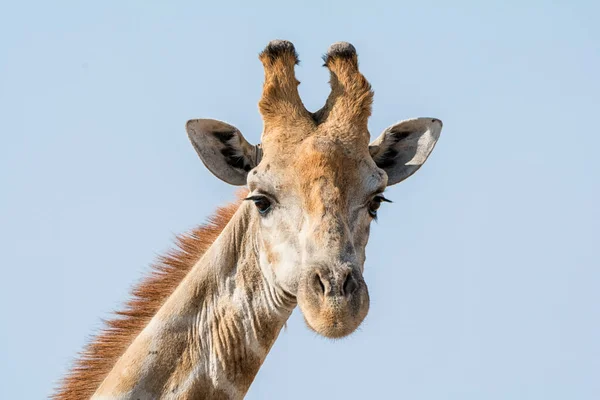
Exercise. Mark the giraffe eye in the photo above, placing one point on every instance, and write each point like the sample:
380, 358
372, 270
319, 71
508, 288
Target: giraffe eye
263, 204
375, 204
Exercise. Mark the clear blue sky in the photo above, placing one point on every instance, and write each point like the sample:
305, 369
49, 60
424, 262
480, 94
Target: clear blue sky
484, 274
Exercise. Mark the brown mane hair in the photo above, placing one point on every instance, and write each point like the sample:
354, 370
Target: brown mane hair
98, 357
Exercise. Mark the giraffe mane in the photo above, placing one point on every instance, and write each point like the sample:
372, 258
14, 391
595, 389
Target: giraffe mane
98, 357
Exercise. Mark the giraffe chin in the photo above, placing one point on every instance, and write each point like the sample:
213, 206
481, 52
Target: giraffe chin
334, 317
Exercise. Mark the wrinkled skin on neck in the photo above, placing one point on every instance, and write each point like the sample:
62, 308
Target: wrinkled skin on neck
210, 337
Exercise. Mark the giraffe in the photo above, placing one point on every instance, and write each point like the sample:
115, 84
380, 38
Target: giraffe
201, 325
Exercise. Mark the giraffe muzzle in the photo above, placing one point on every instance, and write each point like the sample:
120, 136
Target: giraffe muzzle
333, 300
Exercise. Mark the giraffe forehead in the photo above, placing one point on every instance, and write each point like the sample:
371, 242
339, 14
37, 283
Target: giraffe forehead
328, 166
332, 160
319, 169
328, 152
305, 140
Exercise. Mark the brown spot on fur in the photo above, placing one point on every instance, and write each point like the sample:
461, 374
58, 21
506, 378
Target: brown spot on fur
272, 257
100, 355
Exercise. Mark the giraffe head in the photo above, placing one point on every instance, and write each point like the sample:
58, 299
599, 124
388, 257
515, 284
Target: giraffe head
316, 182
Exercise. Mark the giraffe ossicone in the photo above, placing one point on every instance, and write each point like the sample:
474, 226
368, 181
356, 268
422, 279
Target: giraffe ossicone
202, 324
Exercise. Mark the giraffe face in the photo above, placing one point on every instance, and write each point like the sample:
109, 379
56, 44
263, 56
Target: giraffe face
314, 213
316, 183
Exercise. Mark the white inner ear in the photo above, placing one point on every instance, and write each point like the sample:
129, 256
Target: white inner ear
418, 138
424, 146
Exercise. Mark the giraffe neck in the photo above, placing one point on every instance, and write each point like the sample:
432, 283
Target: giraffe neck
211, 336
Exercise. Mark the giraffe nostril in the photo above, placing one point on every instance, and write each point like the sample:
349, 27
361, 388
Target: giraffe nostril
350, 285
333, 284
318, 284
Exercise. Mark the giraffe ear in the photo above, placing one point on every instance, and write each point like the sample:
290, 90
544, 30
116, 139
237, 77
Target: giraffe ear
223, 149
402, 148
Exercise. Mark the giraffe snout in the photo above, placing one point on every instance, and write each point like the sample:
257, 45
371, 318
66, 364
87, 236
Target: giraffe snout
334, 299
